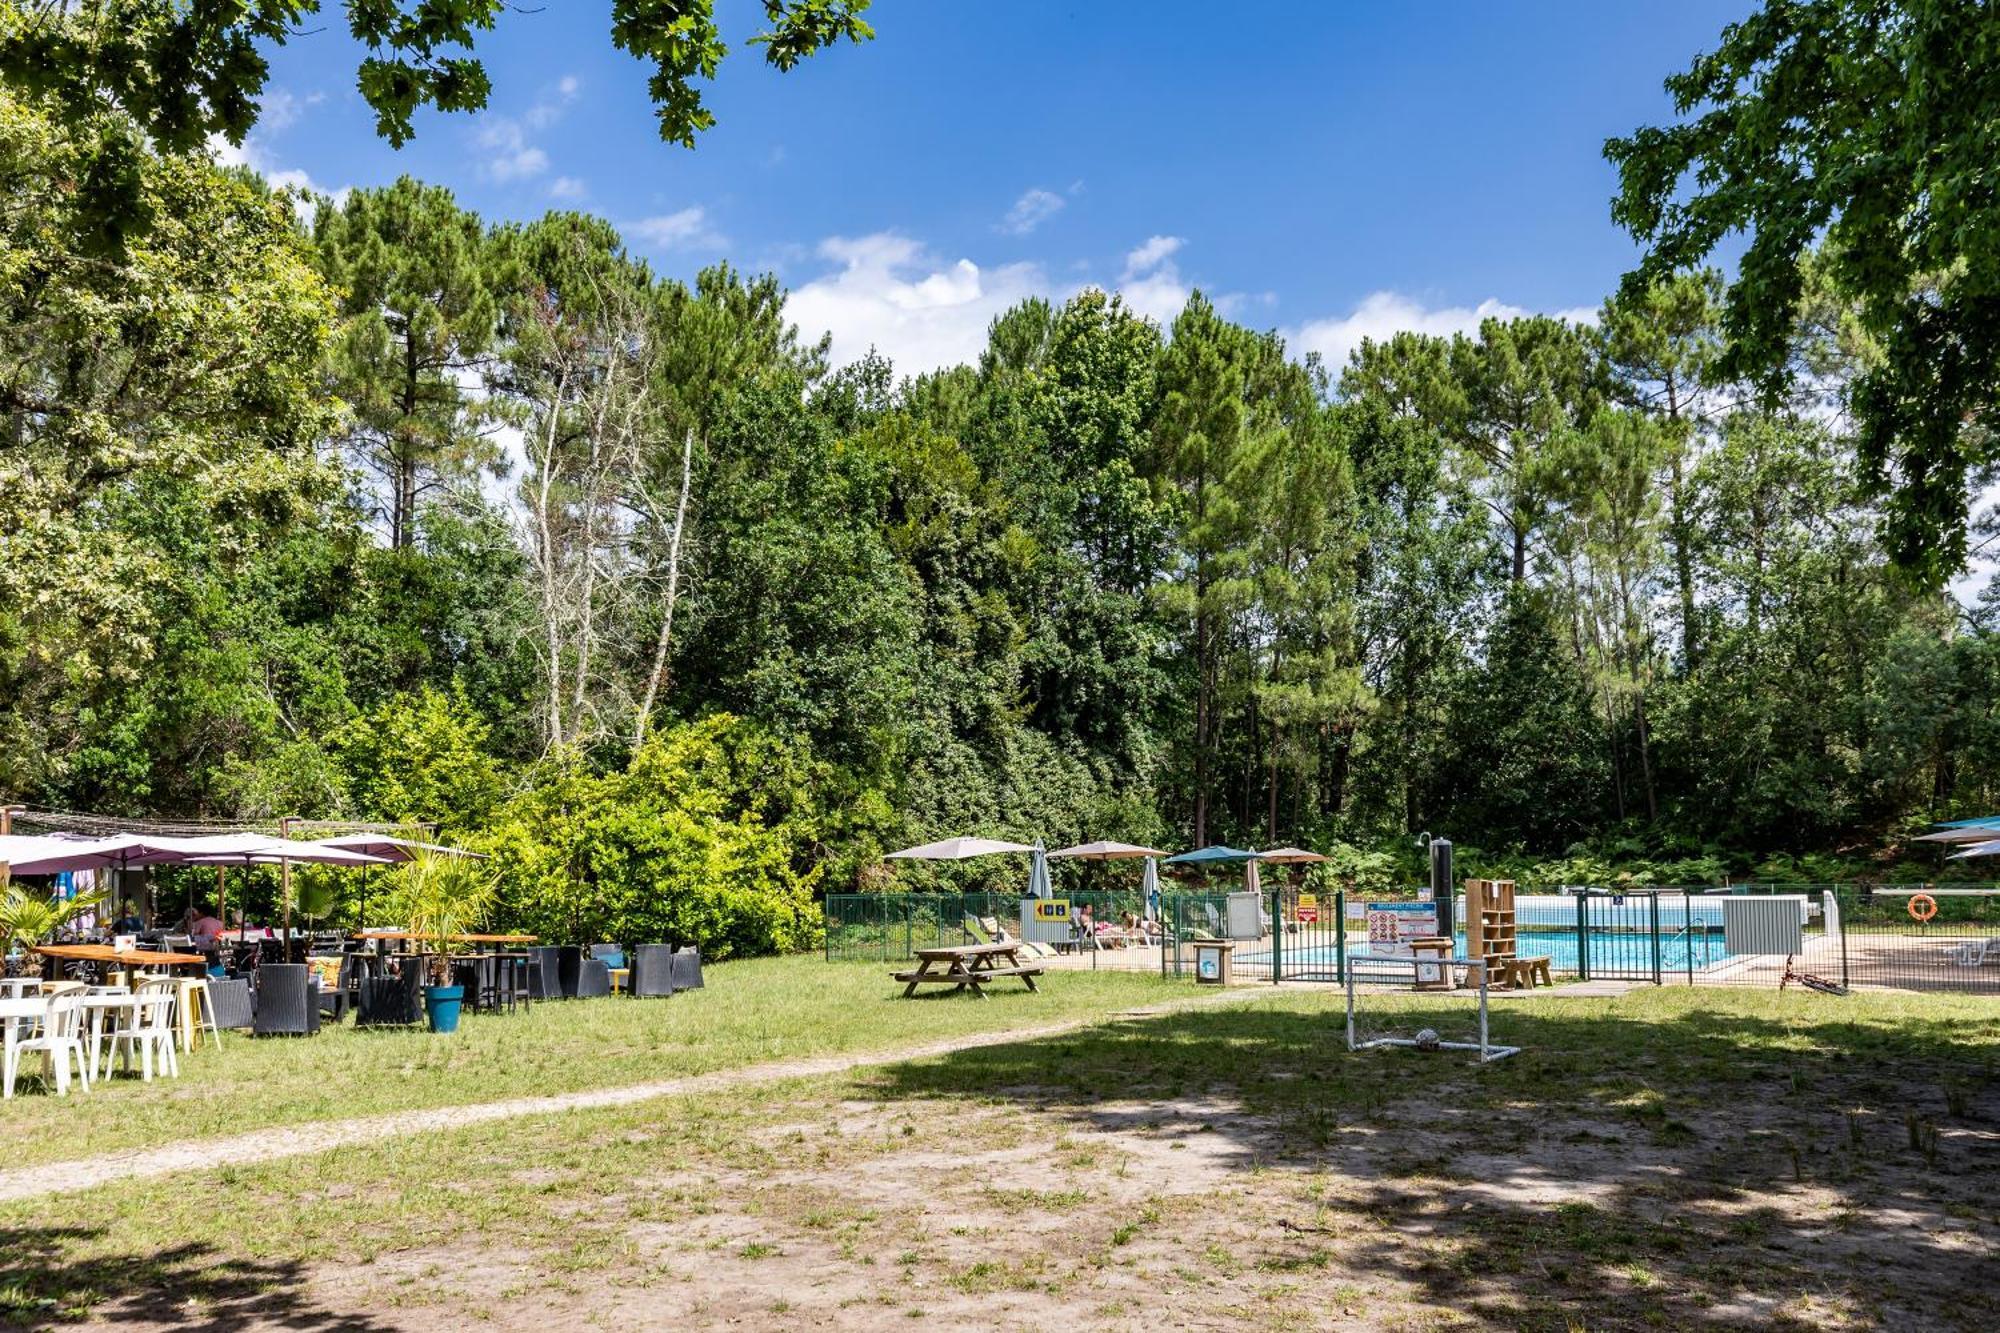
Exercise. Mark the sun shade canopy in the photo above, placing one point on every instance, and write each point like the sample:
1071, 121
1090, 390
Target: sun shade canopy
958, 849
1211, 856
1289, 856
1107, 851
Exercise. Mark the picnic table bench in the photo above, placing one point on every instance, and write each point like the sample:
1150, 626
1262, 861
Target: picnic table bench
968, 967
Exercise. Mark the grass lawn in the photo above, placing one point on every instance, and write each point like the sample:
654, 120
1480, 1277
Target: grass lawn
752, 1011
1671, 1159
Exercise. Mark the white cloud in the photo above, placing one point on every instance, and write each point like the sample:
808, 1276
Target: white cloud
687, 229
510, 157
921, 312
1152, 252
282, 108
1030, 211
1152, 284
1383, 314
567, 187
254, 156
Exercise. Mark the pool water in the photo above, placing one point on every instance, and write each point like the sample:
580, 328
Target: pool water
1611, 951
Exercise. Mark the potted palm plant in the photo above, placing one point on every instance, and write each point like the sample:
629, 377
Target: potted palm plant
444, 897
28, 919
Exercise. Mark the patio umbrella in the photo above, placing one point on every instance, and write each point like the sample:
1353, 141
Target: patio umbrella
1982, 849
958, 849
1150, 887
1216, 855
389, 849
255, 849
1038, 874
1250, 881
1289, 856
1107, 851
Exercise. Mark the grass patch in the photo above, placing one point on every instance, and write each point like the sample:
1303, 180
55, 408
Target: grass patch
750, 1012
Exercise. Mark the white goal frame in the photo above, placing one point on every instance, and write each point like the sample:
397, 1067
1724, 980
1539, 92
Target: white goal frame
1488, 1052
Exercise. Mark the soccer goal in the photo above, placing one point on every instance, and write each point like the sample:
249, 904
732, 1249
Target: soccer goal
1378, 970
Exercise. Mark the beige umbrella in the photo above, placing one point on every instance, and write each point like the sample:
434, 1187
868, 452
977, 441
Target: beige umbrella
1289, 856
958, 849
1107, 851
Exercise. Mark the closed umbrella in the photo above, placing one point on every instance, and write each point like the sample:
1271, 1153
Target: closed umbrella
1150, 887
1038, 874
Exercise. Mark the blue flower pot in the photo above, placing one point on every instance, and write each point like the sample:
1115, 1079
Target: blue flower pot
441, 1006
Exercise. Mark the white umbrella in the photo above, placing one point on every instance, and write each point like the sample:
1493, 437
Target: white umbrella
391, 849
1038, 874
1107, 851
1150, 887
1250, 881
958, 849
1983, 849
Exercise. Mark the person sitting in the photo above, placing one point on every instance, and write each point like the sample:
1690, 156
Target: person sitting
203, 928
128, 922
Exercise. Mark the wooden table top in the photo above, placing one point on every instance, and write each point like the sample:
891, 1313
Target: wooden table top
104, 953
970, 950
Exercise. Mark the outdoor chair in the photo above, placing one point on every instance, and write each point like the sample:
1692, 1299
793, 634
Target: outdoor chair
517, 979
286, 1004
545, 972
146, 1028
652, 971
332, 976
687, 968
583, 978
60, 1041
229, 1003
396, 1000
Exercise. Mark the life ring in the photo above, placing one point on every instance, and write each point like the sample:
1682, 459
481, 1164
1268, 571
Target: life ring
1922, 906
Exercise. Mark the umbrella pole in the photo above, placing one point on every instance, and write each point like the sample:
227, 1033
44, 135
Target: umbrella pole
221, 893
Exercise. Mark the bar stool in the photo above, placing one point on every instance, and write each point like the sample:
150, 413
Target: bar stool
194, 1011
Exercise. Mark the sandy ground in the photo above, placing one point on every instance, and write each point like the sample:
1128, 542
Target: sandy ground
882, 1208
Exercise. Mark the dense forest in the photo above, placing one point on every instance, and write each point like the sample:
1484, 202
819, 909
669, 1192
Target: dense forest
380, 510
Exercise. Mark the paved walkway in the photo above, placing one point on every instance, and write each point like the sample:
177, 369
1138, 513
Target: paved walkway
298, 1140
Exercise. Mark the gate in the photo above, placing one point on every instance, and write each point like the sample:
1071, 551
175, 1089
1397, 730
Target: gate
1617, 937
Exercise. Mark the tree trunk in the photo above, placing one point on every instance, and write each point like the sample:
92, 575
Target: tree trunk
665, 641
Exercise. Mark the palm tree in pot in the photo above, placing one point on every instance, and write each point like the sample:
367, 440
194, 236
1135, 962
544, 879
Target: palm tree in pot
28, 919
444, 897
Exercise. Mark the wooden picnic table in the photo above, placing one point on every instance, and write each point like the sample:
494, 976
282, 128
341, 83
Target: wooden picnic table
968, 967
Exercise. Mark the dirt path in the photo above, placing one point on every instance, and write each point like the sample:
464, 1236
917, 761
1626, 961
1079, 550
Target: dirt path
298, 1140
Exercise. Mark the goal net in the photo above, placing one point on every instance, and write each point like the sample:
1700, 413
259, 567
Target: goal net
1386, 1019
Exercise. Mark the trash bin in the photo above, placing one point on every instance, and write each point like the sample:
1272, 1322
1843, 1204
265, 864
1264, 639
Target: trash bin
1211, 961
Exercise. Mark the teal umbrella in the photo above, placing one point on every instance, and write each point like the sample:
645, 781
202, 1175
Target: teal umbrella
1038, 874
1211, 856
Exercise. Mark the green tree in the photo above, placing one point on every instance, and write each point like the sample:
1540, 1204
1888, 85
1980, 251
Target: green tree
417, 283
1863, 126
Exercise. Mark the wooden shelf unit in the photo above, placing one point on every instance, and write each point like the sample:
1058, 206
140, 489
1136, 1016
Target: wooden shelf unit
1489, 927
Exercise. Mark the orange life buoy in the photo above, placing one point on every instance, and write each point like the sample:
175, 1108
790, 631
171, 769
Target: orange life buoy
1922, 906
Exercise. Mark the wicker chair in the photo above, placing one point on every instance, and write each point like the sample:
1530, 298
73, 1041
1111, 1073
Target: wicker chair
545, 973
652, 971
392, 1000
229, 1002
286, 1003
687, 968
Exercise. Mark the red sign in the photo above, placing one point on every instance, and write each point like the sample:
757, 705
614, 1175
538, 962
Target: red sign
1307, 915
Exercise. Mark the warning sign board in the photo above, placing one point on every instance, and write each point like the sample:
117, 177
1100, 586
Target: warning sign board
1307, 915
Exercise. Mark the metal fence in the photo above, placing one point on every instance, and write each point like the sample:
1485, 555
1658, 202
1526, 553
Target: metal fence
1743, 935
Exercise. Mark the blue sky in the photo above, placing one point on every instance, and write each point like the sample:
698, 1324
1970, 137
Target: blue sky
1331, 170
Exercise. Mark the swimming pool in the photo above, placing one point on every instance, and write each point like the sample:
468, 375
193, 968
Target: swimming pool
1612, 952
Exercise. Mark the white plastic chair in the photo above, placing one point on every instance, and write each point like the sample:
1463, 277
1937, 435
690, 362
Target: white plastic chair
59, 1041
147, 1027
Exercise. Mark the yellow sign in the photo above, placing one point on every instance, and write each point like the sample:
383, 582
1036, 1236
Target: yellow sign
1308, 900
1052, 909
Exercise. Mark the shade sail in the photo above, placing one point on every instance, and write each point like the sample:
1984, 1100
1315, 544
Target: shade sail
958, 849
391, 849
1211, 856
1289, 856
1107, 851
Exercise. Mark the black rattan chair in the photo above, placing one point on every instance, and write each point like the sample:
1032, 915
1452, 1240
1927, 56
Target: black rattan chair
286, 1003
545, 973
687, 968
652, 973
392, 1001
229, 1002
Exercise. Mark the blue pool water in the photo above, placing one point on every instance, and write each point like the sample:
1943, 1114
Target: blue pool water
1611, 951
